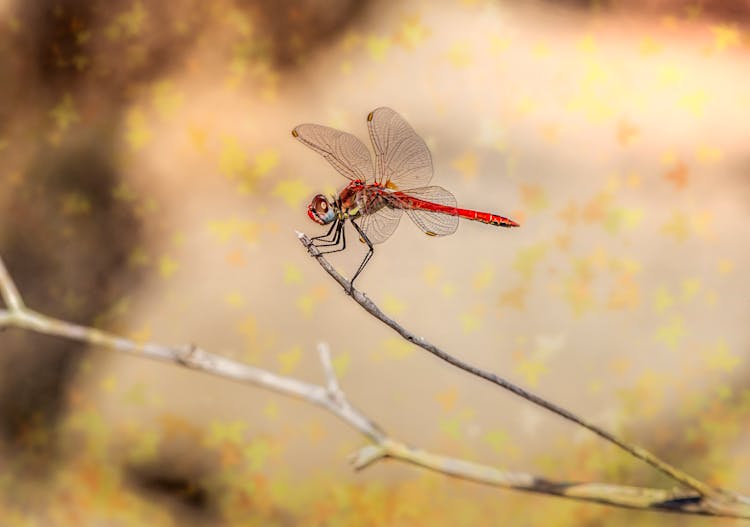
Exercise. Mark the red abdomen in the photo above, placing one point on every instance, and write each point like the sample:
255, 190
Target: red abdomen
486, 217
473, 215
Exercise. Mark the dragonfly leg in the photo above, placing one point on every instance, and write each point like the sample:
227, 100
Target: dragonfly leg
370, 252
323, 237
335, 239
340, 237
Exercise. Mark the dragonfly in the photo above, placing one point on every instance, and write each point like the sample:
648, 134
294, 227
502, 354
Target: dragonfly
379, 193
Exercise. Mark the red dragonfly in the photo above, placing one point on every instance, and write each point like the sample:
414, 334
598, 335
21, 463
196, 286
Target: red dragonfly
378, 194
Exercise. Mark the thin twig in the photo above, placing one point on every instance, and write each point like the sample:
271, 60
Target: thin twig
702, 489
332, 382
8, 290
331, 397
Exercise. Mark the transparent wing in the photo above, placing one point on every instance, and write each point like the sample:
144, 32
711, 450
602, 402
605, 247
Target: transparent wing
401, 156
379, 225
432, 222
347, 154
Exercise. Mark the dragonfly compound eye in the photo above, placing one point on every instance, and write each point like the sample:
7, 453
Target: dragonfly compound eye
320, 211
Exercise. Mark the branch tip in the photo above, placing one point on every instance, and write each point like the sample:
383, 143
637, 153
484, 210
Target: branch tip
366, 456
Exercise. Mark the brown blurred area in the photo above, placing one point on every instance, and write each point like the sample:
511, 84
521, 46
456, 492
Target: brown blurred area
150, 187
723, 11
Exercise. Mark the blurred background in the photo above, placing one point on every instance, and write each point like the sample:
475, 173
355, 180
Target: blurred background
150, 186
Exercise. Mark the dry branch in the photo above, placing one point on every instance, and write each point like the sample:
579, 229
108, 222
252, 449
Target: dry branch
331, 397
703, 499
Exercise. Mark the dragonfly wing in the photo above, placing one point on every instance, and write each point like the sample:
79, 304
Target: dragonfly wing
401, 156
347, 154
429, 221
378, 226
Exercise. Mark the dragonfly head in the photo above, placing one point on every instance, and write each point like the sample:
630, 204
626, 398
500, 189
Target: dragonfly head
321, 210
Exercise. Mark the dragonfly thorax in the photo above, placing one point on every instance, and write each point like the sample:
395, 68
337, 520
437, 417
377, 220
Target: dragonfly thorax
352, 195
321, 210
358, 197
